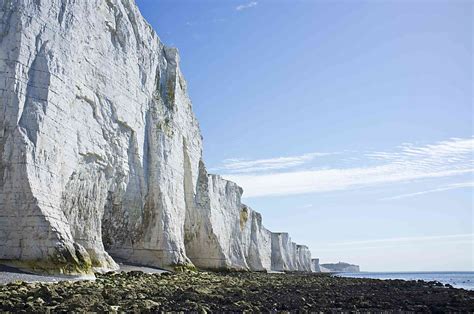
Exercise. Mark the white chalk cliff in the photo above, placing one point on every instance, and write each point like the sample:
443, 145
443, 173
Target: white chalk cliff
340, 267
315, 267
101, 154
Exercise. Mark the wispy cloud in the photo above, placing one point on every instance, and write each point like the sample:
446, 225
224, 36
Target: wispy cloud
204, 23
406, 163
448, 187
259, 165
218, 20
467, 238
377, 247
246, 6
408, 239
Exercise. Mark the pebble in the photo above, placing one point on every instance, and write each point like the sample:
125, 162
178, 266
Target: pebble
206, 292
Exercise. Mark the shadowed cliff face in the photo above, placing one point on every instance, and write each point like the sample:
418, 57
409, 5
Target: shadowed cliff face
101, 152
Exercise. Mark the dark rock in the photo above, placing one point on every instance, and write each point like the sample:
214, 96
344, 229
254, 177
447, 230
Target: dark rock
233, 292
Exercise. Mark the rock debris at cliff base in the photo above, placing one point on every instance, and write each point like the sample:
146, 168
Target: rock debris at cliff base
236, 291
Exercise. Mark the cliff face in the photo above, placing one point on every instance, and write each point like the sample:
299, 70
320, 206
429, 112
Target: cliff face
315, 267
303, 258
284, 257
223, 233
213, 227
100, 152
258, 245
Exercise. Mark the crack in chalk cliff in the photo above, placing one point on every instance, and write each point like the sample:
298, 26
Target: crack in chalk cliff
62, 11
133, 23
189, 194
34, 107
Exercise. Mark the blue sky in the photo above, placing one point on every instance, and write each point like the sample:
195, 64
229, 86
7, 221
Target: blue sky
348, 123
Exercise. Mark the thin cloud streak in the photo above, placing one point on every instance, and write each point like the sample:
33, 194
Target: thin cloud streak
408, 163
396, 242
246, 6
301, 182
402, 245
407, 239
440, 189
259, 165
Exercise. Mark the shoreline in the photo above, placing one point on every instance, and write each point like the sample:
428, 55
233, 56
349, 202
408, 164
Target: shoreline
457, 279
233, 291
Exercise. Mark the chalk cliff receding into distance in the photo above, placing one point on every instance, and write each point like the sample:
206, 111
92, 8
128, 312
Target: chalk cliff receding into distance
303, 257
283, 253
315, 267
340, 267
101, 154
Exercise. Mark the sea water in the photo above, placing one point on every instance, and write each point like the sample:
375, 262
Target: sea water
463, 280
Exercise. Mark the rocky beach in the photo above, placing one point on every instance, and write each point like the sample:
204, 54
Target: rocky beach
233, 291
102, 169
